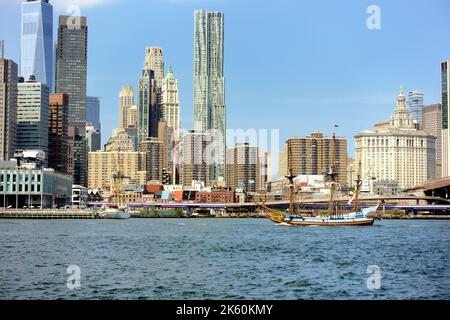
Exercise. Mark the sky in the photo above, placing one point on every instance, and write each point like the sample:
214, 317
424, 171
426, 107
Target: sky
296, 66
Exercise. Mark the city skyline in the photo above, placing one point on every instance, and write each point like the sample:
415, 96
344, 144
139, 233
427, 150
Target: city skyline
300, 92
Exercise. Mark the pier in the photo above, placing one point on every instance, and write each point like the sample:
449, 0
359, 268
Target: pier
47, 214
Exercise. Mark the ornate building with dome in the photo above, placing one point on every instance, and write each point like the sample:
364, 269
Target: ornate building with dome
395, 150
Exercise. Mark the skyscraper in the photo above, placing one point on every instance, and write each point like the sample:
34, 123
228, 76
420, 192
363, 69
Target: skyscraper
126, 102
32, 116
93, 112
93, 138
58, 132
71, 66
432, 124
171, 101
415, 105
2, 49
77, 156
148, 106
445, 85
152, 148
192, 159
154, 60
243, 167
150, 93
311, 155
209, 85
265, 164
8, 108
36, 55
445, 88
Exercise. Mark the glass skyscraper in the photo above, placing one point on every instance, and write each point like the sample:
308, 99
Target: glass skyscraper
36, 55
93, 112
209, 85
71, 66
32, 116
415, 105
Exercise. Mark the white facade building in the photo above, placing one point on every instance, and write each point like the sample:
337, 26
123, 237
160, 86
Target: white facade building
397, 151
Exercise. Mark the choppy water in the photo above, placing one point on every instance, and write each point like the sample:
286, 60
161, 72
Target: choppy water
222, 259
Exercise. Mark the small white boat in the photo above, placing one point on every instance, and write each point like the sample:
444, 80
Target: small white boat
115, 213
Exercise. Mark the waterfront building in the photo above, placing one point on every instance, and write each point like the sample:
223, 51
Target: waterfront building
171, 102
79, 196
415, 106
148, 110
36, 50
445, 89
215, 196
71, 66
77, 161
25, 186
385, 187
395, 150
58, 134
192, 158
93, 112
209, 86
153, 150
126, 102
103, 164
432, 124
8, 108
311, 155
32, 116
243, 167
120, 141
93, 138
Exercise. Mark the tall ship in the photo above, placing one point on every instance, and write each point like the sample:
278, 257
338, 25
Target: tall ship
333, 216
117, 209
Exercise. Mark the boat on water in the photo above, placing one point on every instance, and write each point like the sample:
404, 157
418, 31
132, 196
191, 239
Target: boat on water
332, 217
356, 218
117, 210
115, 213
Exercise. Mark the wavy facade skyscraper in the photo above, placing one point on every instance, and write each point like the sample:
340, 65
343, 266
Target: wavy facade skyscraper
209, 85
36, 54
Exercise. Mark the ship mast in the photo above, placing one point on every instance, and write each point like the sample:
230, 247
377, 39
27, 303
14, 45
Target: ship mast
291, 177
332, 173
117, 188
358, 188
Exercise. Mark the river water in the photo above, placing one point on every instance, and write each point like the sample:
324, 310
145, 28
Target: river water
223, 259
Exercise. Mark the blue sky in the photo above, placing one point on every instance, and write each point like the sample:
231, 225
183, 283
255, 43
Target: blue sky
293, 65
